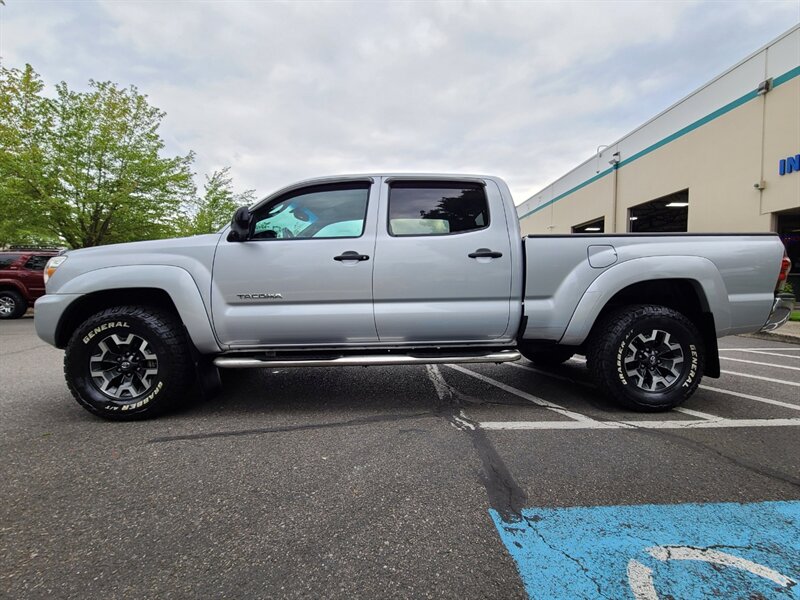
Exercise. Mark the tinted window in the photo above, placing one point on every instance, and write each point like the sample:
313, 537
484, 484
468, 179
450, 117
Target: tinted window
425, 208
8, 259
37, 263
332, 211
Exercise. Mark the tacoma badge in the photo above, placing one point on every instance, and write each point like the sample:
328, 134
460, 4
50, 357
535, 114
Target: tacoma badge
260, 296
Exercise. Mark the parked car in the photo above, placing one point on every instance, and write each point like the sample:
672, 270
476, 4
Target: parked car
21, 279
402, 269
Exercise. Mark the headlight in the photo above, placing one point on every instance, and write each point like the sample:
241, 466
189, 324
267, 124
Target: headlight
52, 265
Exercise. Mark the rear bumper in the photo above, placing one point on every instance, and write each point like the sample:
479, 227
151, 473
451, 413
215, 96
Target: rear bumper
48, 311
781, 310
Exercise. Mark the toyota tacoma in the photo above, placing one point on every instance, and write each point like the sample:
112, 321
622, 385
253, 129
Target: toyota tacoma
401, 269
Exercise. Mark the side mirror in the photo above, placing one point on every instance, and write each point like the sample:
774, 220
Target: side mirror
240, 224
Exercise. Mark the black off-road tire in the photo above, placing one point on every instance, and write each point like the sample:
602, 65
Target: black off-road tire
547, 357
166, 339
615, 341
16, 302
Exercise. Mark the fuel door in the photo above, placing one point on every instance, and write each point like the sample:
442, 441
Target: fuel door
601, 256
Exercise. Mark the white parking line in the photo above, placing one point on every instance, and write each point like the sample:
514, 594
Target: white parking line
684, 410
783, 381
529, 397
781, 348
763, 364
570, 425
762, 352
751, 397
697, 413
707, 420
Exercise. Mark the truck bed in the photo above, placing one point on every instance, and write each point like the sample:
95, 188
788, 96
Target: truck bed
570, 278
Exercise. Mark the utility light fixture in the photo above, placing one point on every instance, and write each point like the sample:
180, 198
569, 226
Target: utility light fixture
633, 218
592, 229
677, 204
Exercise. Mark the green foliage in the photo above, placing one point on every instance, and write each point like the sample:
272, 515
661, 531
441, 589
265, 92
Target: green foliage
217, 205
87, 168
26, 175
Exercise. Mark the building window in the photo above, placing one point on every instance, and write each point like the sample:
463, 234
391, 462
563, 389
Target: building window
667, 214
596, 226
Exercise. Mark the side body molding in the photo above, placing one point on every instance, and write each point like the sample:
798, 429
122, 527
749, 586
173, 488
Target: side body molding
175, 281
701, 271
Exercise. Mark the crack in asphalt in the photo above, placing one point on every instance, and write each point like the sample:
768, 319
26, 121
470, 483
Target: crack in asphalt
505, 495
695, 444
23, 350
289, 428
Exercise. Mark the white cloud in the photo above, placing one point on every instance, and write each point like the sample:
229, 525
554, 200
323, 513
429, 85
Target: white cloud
282, 91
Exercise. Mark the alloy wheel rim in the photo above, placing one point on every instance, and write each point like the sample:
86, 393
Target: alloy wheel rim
653, 361
123, 367
7, 305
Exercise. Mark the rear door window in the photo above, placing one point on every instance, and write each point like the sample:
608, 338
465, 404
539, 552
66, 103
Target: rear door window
36, 263
6, 260
436, 208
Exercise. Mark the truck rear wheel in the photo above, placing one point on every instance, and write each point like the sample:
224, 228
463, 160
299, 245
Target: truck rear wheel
129, 362
12, 304
646, 357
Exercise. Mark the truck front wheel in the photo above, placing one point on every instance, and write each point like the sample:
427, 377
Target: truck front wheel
129, 362
646, 357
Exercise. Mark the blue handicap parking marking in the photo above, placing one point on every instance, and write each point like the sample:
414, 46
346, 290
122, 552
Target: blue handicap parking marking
650, 552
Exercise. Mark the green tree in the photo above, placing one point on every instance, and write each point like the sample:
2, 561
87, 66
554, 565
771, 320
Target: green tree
217, 205
26, 177
85, 168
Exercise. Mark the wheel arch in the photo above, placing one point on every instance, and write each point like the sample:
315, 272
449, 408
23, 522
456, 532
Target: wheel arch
168, 287
16, 286
691, 285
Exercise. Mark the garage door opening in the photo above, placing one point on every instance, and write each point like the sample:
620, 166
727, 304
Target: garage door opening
596, 226
788, 226
662, 215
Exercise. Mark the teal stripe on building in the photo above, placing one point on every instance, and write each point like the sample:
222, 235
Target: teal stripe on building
777, 81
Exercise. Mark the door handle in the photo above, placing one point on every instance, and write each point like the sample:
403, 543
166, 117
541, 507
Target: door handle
350, 255
484, 253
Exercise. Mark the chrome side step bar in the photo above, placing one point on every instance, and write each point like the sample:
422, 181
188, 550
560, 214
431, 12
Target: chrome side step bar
248, 362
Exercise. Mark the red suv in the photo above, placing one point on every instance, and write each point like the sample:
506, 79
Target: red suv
21, 279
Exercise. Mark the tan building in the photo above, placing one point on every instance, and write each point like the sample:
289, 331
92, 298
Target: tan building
724, 159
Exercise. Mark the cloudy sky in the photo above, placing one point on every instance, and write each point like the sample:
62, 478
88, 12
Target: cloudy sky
281, 91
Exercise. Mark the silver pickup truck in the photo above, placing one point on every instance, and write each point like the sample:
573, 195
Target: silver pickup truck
401, 269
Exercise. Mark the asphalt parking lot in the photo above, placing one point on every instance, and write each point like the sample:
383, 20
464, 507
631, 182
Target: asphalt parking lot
448, 481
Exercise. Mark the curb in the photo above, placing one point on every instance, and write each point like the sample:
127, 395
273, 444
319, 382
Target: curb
774, 337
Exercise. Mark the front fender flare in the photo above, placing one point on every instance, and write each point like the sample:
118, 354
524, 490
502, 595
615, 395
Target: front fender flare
177, 282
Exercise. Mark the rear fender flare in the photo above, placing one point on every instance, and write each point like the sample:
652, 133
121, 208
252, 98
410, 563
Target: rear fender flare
697, 269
